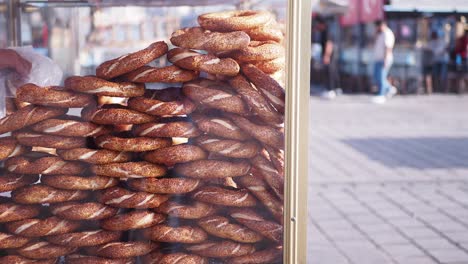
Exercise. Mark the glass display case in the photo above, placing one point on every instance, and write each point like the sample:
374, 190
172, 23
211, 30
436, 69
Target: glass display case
154, 131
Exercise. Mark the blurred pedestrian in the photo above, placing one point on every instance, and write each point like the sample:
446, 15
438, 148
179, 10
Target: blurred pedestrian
461, 50
329, 62
440, 58
383, 60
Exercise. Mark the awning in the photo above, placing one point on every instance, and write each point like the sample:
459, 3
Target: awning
427, 6
330, 7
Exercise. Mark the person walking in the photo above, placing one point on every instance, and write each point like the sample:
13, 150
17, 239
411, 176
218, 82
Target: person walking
383, 60
440, 58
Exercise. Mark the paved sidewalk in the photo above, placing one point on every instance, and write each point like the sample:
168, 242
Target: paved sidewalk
389, 183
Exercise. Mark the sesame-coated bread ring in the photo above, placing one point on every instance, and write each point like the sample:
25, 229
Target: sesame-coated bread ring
194, 210
42, 227
97, 86
10, 182
71, 182
266, 134
269, 31
15, 259
72, 127
122, 249
9, 147
175, 234
234, 20
254, 221
123, 198
132, 61
214, 98
44, 250
228, 147
43, 165
200, 39
221, 249
164, 185
152, 104
40, 193
95, 156
83, 211
156, 257
27, 116
52, 96
259, 51
169, 129
225, 196
12, 241
14, 212
218, 126
270, 66
132, 220
264, 169
268, 86
220, 226
85, 238
259, 104
206, 169
168, 74
175, 154
277, 158
115, 116
80, 259
137, 169
138, 144
267, 256
49, 141
209, 63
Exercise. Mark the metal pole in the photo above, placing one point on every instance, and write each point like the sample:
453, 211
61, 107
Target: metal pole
14, 22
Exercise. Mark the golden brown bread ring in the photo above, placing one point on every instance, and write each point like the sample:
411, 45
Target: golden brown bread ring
175, 154
268, 31
9, 147
123, 198
254, 221
132, 61
234, 20
168, 74
49, 141
27, 116
40, 193
10, 182
132, 220
12, 241
95, 156
198, 92
122, 249
268, 86
220, 127
192, 60
270, 66
70, 128
194, 210
138, 144
164, 185
267, 256
53, 96
83, 211
228, 147
175, 234
80, 259
44, 250
221, 249
156, 257
266, 134
200, 39
115, 116
42, 227
100, 87
85, 238
277, 158
43, 165
259, 105
137, 169
220, 226
259, 51
206, 169
265, 170
72, 182
224, 196
169, 129
152, 104
15, 259
14, 212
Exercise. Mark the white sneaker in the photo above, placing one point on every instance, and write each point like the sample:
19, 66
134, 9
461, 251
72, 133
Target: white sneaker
379, 99
392, 92
330, 95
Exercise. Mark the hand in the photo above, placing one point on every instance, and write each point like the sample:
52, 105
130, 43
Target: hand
326, 60
12, 60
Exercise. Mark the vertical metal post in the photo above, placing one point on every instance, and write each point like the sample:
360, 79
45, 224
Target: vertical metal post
14, 22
